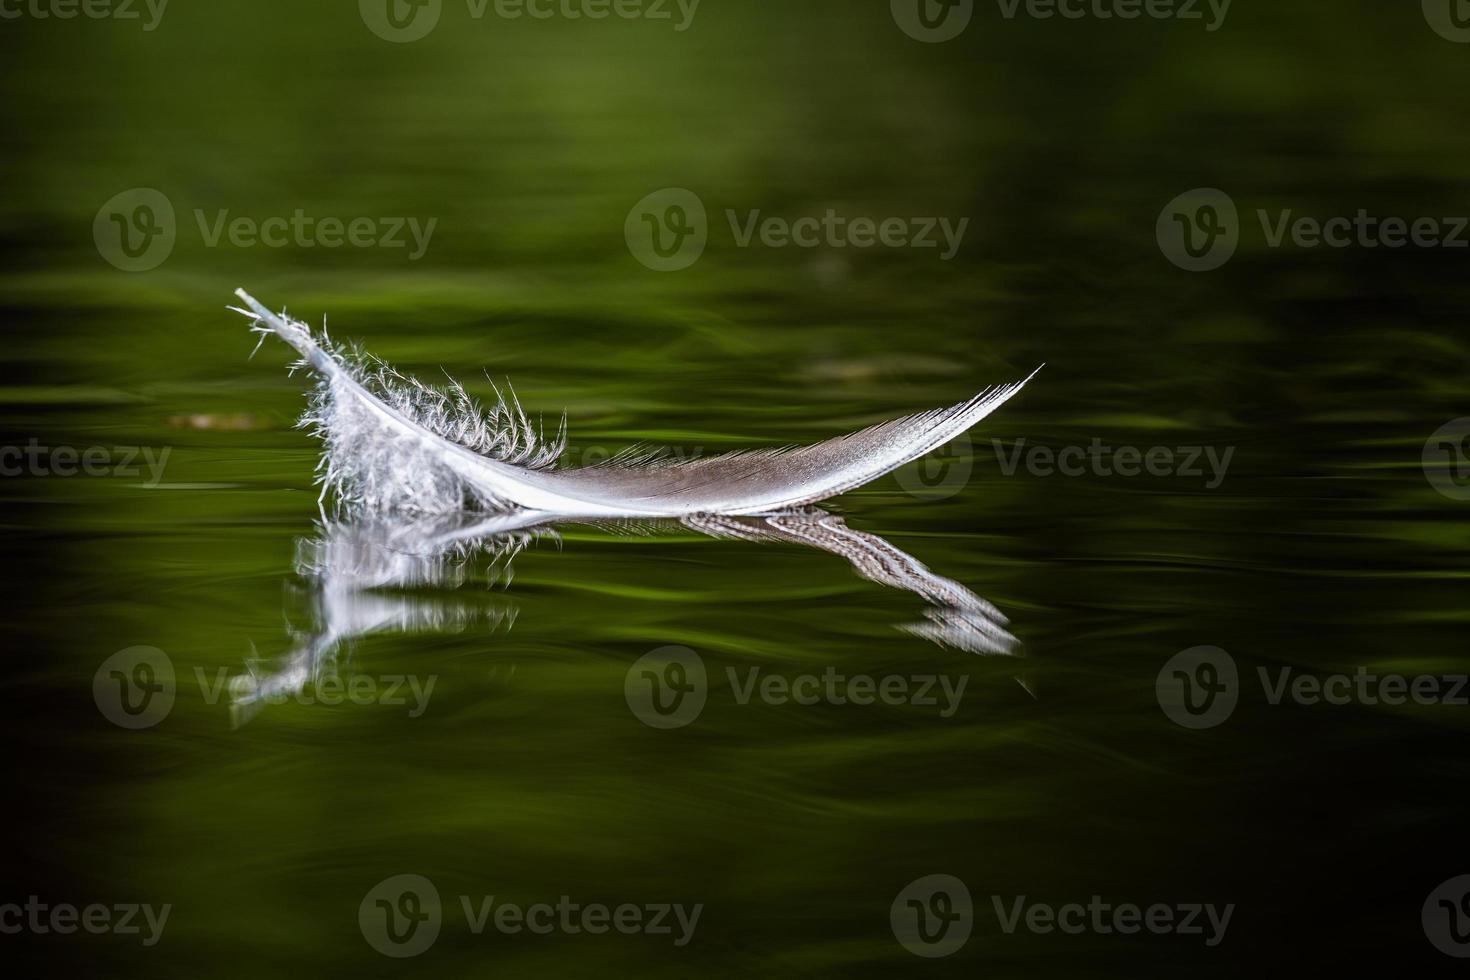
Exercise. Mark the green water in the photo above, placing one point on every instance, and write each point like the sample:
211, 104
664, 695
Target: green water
1322, 546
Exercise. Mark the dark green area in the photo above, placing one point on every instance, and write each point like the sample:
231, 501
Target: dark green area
1325, 548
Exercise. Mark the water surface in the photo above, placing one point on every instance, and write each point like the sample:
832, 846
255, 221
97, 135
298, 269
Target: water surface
527, 776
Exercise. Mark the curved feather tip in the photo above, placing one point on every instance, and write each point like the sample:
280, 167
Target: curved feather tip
394, 444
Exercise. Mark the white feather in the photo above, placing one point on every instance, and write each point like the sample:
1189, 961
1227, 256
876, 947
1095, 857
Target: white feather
393, 444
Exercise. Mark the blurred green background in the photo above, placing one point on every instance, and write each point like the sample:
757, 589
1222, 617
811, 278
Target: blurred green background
528, 142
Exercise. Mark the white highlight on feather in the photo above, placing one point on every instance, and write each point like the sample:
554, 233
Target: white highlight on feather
395, 445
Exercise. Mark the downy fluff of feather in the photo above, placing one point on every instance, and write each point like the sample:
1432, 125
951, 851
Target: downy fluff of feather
394, 444
367, 463
392, 461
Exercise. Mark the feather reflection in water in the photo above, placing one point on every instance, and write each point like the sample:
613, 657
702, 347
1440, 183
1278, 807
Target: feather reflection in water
352, 569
